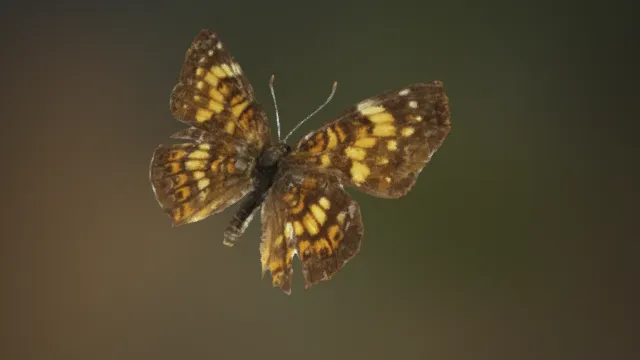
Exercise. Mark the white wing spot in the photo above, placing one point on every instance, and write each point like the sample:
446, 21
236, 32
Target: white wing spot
219, 45
404, 92
202, 59
366, 104
235, 68
288, 229
210, 52
413, 104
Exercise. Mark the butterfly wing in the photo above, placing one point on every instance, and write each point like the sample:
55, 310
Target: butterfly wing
196, 179
381, 144
308, 213
214, 95
213, 168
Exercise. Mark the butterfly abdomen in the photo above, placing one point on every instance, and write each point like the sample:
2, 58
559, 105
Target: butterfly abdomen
263, 177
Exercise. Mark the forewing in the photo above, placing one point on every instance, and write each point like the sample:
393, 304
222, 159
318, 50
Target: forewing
381, 144
213, 94
308, 213
194, 180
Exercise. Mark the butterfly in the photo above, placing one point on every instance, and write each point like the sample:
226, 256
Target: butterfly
379, 146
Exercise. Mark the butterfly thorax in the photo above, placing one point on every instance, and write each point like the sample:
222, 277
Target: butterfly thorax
267, 166
271, 156
263, 176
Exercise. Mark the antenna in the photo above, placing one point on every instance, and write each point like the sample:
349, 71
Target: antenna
333, 91
275, 104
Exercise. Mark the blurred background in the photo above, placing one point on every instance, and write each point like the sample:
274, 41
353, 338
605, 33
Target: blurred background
516, 242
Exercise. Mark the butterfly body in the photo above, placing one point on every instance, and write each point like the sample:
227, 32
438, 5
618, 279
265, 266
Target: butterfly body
263, 177
378, 146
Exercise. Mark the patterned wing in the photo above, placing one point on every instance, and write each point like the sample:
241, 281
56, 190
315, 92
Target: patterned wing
194, 180
309, 214
381, 144
214, 95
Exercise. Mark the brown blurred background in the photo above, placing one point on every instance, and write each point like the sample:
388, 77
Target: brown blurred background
514, 244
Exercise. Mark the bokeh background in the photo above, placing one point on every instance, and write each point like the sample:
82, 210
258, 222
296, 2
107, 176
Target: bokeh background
516, 243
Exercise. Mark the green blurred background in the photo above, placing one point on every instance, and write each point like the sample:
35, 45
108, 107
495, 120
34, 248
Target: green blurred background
516, 242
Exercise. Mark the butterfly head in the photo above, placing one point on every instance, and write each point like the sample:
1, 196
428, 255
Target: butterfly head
271, 156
